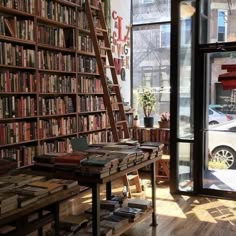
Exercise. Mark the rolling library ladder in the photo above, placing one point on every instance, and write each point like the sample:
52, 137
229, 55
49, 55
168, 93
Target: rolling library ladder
122, 123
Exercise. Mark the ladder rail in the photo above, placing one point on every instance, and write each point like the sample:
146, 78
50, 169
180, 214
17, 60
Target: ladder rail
101, 68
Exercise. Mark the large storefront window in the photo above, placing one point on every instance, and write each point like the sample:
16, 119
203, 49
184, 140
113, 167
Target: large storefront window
150, 11
218, 21
151, 55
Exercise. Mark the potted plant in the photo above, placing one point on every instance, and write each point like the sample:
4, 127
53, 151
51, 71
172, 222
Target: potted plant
147, 99
135, 121
164, 120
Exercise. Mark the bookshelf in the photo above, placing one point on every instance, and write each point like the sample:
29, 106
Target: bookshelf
50, 90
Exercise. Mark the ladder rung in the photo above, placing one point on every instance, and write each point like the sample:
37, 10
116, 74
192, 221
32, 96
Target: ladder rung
101, 30
105, 48
113, 85
121, 122
95, 8
107, 66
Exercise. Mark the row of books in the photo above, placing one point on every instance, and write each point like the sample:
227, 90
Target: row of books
56, 11
16, 55
17, 81
61, 146
56, 61
92, 122
89, 85
26, 5
15, 106
22, 155
90, 103
56, 106
97, 137
50, 83
20, 190
19, 28
111, 220
55, 36
87, 64
17, 132
57, 127
154, 135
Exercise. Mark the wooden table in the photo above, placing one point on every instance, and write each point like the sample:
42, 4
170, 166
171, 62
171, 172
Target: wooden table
51, 202
95, 183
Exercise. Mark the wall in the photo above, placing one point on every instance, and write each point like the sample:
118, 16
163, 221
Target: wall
120, 42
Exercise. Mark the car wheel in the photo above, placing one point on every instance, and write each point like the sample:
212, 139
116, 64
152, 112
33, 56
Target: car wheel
213, 122
226, 155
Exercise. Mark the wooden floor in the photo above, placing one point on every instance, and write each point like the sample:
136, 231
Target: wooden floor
178, 215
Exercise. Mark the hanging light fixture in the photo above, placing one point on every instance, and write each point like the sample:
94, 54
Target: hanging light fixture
228, 79
186, 10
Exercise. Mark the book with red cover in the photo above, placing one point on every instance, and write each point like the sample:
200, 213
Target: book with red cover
74, 157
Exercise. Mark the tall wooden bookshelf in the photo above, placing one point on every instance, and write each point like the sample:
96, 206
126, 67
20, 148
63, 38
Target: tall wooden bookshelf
50, 90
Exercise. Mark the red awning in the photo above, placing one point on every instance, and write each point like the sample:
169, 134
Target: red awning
228, 80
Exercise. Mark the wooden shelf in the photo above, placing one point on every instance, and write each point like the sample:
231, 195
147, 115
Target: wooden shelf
17, 40
15, 12
87, 73
19, 143
67, 3
56, 94
18, 118
56, 71
131, 224
17, 67
53, 22
54, 48
57, 137
89, 112
56, 115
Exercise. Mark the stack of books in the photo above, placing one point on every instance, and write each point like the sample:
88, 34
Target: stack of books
7, 165
154, 149
128, 212
142, 204
115, 222
110, 205
66, 183
8, 202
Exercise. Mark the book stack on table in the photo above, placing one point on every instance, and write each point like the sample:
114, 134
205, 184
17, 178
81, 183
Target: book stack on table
24, 189
154, 149
8, 202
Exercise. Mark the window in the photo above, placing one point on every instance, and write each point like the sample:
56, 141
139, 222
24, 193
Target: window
222, 25
147, 1
186, 32
165, 36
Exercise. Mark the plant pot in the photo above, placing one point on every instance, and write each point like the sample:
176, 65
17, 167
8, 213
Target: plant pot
164, 124
148, 122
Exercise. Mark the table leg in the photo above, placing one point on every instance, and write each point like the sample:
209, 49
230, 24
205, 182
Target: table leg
96, 209
108, 190
153, 183
56, 214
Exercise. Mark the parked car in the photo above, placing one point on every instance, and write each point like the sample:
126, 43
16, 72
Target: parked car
216, 117
222, 143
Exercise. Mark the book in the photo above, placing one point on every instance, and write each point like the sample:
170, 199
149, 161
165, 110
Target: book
115, 226
7, 198
49, 186
78, 220
139, 203
74, 158
109, 204
32, 191
128, 212
67, 183
25, 200
6, 186
6, 229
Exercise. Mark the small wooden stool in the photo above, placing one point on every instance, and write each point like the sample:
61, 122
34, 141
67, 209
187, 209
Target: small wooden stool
132, 179
163, 168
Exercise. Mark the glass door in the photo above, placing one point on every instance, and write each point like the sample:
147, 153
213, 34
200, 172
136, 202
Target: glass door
219, 125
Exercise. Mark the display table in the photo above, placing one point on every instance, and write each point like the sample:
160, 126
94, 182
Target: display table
95, 183
51, 203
